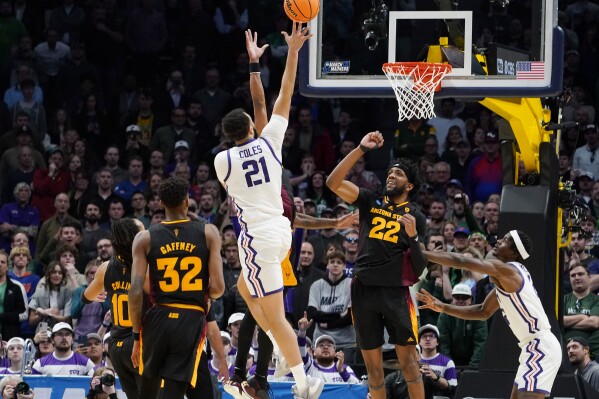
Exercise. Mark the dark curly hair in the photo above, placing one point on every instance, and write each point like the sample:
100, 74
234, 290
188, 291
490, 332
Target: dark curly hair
236, 124
173, 191
412, 172
123, 233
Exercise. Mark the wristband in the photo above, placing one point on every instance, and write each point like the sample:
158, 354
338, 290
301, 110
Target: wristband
84, 299
105, 325
136, 336
254, 67
364, 148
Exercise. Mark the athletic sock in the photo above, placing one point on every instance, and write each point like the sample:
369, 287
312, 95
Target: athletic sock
275, 346
244, 342
264, 353
299, 374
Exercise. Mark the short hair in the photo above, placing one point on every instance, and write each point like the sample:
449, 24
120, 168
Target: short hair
3, 253
135, 158
92, 263
75, 225
64, 247
173, 191
236, 124
586, 269
231, 242
123, 233
336, 254
526, 241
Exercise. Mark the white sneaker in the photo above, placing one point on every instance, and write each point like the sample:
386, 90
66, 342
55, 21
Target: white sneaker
315, 387
282, 367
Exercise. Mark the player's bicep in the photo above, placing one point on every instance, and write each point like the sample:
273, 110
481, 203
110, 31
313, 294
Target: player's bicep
347, 191
97, 284
140, 260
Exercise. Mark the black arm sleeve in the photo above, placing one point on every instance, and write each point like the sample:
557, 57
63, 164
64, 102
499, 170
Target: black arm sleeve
321, 317
343, 321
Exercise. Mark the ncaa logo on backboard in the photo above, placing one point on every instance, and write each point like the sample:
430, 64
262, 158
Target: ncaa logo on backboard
335, 67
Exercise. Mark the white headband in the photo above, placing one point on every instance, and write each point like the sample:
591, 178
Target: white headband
519, 244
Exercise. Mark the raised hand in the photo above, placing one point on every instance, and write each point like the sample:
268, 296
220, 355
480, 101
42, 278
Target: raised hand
298, 36
429, 301
340, 356
372, 140
303, 324
251, 44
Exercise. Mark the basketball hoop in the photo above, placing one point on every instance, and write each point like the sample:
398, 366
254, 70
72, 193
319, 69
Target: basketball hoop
415, 84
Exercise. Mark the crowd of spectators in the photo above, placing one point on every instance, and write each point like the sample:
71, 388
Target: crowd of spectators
104, 99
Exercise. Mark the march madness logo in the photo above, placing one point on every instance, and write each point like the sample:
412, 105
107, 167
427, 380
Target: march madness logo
335, 67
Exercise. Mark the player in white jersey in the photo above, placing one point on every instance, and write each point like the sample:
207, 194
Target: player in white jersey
251, 173
515, 295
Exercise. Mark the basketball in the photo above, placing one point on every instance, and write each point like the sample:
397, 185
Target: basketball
301, 10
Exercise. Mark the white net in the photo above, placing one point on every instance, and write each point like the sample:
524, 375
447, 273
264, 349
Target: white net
414, 84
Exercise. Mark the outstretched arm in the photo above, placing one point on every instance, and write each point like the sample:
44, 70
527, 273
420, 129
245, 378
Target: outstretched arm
508, 276
345, 189
308, 222
256, 88
295, 41
473, 312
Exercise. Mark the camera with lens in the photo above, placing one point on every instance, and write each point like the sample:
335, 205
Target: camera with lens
105, 380
375, 24
566, 195
22, 388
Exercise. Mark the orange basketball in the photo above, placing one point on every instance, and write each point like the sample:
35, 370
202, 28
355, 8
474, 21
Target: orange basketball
301, 10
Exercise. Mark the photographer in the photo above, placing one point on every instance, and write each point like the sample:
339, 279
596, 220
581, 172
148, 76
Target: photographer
13, 387
102, 384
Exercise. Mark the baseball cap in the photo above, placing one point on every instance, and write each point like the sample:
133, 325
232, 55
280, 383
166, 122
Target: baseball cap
586, 173
429, 327
461, 230
324, 338
341, 205
581, 340
61, 326
456, 183
94, 336
309, 201
133, 129
491, 136
590, 127
181, 144
224, 334
461, 289
16, 341
426, 187
235, 317
327, 211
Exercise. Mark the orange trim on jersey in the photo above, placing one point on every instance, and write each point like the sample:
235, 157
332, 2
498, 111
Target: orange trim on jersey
141, 357
194, 376
413, 316
388, 200
175, 221
182, 306
289, 279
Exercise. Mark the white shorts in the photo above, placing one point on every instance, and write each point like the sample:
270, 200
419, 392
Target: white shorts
540, 360
262, 248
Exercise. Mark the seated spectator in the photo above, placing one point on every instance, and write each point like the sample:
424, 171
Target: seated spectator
43, 343
104, 249
462, 340
93, 350
89, 316
106, 391
53, 284
69, 233
135, 182
330, 306
214, 363
435, 365
579, 355
14, 353
18, 215
328, 363
581, 308
63, 361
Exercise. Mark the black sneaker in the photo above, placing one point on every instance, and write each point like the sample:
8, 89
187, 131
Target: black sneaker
253, 389
233, 386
